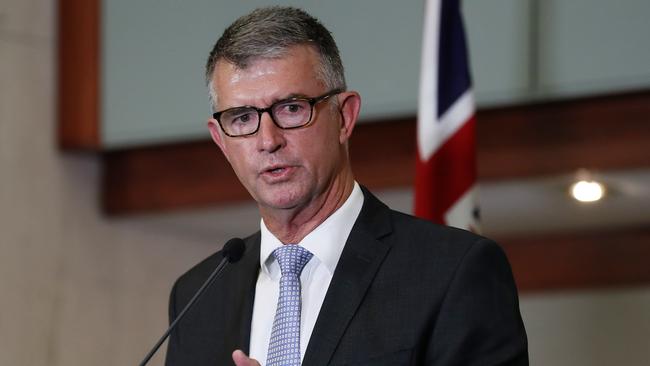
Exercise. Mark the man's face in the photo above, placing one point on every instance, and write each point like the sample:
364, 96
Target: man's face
282, 169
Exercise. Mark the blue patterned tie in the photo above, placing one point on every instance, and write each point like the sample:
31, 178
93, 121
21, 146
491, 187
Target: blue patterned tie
284, 346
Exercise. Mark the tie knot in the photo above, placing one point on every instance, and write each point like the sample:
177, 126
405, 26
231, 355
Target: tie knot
292, 258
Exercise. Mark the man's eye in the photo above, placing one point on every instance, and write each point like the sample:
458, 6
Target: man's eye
291, 108
242, 118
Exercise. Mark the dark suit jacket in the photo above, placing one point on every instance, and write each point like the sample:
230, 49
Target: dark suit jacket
405, 292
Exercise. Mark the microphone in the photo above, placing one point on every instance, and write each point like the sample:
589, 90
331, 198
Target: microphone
232, 253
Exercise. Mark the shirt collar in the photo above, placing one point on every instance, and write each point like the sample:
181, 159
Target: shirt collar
326, 241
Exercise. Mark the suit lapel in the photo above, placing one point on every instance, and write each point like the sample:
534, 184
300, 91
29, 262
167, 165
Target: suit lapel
357, 267
243, 281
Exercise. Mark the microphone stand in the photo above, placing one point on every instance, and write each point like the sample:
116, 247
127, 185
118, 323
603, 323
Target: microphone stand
232, 252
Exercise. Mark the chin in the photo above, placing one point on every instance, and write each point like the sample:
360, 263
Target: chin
282, 198
282, 203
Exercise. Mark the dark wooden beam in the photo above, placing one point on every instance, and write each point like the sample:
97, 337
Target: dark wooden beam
573, 260
600, 133
161, 178
78, 74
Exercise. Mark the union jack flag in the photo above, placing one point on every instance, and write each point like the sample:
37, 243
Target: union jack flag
445, 180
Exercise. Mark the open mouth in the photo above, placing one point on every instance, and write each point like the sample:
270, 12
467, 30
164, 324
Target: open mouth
276, 170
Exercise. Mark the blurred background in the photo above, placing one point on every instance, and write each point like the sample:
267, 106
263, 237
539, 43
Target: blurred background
110, 189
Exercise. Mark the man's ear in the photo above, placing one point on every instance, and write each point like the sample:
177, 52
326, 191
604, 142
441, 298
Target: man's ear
349, 106
215, 133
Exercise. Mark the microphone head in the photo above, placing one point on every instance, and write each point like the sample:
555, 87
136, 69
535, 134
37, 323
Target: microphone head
233, 250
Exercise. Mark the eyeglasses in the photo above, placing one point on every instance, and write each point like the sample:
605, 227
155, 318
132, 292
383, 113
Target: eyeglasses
287, 114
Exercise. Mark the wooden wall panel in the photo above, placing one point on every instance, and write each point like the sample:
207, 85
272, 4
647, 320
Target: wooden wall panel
167, 177
78, 74
572, 260
605, 132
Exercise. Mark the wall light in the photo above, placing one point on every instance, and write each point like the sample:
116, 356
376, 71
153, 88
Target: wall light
587, 191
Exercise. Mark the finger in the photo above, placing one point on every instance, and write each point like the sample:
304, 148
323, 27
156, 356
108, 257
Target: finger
240, 359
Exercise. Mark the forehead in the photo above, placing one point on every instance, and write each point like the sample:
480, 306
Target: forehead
266, 80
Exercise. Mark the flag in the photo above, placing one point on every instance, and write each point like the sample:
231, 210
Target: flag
445, 179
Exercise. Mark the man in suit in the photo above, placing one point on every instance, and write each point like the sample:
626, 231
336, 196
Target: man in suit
333, 277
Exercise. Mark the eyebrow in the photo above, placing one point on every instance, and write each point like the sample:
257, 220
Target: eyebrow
273, 101
291, 96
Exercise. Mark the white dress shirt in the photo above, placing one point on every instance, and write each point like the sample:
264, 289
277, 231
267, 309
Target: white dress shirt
326, 243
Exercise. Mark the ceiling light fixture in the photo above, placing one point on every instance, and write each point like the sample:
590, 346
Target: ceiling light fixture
587, 190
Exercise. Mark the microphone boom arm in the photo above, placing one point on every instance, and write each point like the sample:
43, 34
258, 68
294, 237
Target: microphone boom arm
232, 252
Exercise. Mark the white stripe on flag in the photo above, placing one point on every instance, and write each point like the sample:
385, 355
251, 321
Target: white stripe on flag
428, 97
437, 133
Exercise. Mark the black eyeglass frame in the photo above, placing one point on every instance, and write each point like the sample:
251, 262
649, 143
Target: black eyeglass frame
312, 102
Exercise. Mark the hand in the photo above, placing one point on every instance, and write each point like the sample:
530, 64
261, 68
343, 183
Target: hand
241, 359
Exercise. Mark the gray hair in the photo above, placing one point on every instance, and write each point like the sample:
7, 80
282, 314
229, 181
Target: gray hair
268, 33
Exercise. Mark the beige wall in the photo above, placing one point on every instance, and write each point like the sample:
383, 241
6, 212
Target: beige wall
82, 289
77, 288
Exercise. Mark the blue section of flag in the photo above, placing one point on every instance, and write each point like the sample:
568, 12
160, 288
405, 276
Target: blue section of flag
453, 67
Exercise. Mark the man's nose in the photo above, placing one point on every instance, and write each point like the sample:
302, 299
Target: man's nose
270, 137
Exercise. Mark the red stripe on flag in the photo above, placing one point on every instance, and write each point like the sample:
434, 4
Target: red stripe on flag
447, 175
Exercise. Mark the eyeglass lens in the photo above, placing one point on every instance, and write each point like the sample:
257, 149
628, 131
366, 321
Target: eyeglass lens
287, 114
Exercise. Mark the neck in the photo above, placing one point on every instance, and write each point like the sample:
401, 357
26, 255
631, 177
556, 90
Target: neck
292, 225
